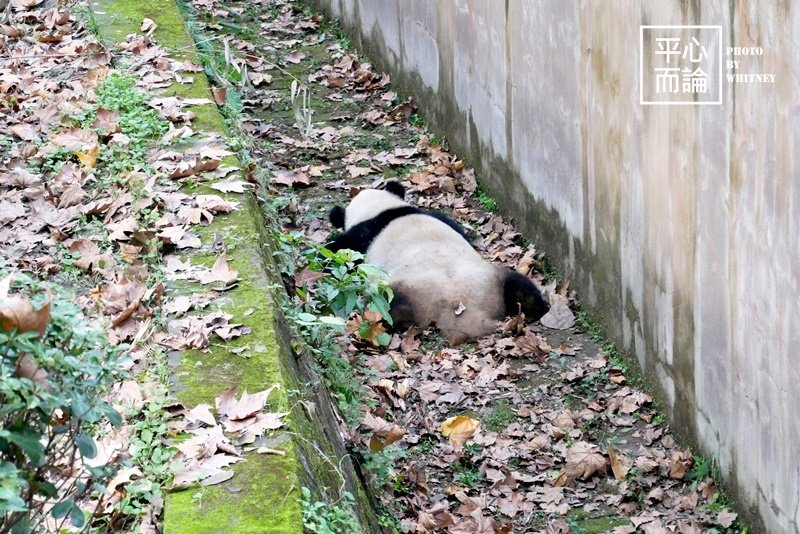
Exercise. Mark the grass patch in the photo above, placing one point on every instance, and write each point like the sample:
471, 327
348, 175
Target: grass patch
500, 417
488, 203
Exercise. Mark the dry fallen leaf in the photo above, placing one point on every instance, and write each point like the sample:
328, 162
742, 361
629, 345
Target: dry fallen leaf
385, 433
725, 518
560, 317
459, 429
619, 464
148, 26
220, 272
583, 460
17, 312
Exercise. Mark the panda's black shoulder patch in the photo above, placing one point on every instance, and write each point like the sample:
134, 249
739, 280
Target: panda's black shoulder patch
361, 236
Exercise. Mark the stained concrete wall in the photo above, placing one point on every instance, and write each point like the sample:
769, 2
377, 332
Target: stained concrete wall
678, 224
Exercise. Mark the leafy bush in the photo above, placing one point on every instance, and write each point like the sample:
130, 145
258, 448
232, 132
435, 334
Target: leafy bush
328, 289
54, 367
323, 518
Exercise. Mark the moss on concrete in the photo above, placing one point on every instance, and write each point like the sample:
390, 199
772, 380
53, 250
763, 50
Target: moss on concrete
260, 498
263, 495
119, 18
596, 522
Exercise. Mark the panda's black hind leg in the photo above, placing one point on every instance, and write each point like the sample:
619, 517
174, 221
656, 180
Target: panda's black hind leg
519, 291
402, 311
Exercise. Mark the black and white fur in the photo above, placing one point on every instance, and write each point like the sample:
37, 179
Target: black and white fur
435, 273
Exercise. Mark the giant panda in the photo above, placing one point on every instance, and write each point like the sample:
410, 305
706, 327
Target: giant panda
435, 273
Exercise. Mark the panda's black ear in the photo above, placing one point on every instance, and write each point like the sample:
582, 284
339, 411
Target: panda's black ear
336, 217
395, 188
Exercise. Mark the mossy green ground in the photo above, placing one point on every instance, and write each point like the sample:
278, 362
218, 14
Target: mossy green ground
119, 18
263, 496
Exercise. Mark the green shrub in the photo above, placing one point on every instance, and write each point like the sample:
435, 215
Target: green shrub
323, 518
51, 406
321, 307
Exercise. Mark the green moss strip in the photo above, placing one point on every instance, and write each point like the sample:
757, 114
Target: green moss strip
263, 496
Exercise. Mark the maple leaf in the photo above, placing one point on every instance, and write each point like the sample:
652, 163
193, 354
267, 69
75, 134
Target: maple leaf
292, 179
25, 131
246, 406
89, 256
230, 186
583, 460
295, 57
560, 317
10, 211
76, 139
385, 433
725, 518
459, 429
106, 121
358, 172
220, 272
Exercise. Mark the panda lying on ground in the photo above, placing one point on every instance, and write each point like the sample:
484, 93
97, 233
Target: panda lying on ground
435, 273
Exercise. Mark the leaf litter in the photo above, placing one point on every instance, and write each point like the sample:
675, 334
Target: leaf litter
531, 429
88, 202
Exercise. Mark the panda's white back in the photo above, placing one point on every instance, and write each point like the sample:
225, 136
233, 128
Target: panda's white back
446, 279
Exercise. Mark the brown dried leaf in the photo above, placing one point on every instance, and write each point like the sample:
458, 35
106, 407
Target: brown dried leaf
620, 464
220, 272
583, 460
459, 429
17, 312
560, 317
725, 518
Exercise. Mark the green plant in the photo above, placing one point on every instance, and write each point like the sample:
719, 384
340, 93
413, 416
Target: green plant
381, 464
659, 419
336, 287
574, 526
89, 20
500, 417
417, 120
137, 120
426, 443
546, 266
470, 477
387, 518
323, 518
51, 387
53, 160
701, 469
473, 449
151, 455
488, 203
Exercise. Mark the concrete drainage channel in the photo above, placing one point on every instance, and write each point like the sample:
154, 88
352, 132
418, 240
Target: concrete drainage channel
265, 492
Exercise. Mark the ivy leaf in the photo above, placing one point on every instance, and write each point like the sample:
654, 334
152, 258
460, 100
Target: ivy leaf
86, 445
76, 517
10, 501
62, 509
28, 441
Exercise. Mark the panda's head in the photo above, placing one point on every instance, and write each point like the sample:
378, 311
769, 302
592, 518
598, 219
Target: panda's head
368, 204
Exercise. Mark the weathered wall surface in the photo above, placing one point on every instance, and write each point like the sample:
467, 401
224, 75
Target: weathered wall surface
678, 224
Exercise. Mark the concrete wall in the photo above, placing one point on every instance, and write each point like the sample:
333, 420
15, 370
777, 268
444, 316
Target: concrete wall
678, 224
